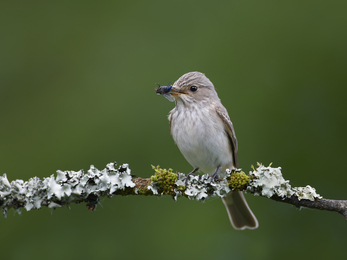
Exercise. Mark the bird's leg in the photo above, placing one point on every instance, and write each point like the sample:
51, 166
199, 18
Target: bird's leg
215, 175
191, 173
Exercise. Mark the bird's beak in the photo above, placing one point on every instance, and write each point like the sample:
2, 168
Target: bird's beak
169, 92
165, 90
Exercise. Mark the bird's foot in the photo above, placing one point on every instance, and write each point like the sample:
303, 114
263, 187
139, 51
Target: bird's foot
188, 176
215, 176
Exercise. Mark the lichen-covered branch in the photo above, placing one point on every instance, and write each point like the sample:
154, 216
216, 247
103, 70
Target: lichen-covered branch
76, 187
269, 182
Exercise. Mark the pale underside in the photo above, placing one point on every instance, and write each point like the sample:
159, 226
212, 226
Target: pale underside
203, 140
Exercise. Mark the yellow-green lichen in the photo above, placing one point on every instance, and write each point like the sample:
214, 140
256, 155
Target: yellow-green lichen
165, 180
181, 188
145, 192
238, 180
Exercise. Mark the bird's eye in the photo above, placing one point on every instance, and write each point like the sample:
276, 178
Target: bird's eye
193, 88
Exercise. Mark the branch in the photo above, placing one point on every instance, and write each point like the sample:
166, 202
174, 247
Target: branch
339, 206
76, 187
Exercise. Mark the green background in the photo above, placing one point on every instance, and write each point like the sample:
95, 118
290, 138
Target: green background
77, 83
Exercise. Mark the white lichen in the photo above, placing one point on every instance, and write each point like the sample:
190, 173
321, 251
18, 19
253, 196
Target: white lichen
66, 187
307, 193
269, 181
200, 187
153, 188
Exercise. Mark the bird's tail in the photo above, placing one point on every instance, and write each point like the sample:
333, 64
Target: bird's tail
240, 214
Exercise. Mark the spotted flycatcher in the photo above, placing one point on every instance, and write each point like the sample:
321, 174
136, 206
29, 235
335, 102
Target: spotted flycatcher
202, 130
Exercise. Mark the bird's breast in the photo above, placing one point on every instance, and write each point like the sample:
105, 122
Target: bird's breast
201, 137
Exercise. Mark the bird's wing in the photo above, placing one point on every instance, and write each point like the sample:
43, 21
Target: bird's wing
223, 114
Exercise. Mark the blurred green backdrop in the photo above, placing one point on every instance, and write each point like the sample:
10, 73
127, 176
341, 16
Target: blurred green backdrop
77, 83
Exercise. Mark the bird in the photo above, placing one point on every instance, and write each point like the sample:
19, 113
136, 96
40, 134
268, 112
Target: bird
201, 128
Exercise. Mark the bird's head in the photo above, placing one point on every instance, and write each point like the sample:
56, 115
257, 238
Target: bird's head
191, 87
